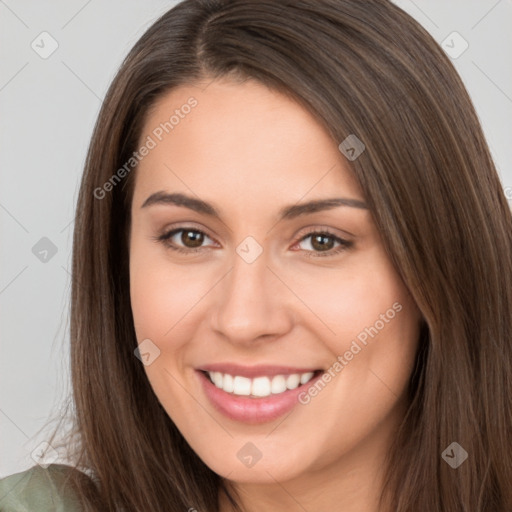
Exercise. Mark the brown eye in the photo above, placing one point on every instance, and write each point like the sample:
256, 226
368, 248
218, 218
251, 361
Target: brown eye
184, 239
322, 243
191, 238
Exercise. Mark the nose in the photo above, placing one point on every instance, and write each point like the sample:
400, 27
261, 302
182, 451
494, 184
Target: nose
253, 304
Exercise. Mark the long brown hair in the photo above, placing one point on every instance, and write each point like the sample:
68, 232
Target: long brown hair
362, 68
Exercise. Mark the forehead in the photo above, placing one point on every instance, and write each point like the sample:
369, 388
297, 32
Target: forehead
242, 141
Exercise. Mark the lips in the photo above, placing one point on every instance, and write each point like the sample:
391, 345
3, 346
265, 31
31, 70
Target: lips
253, 408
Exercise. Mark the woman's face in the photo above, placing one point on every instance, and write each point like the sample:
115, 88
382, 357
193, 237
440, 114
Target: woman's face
263, 297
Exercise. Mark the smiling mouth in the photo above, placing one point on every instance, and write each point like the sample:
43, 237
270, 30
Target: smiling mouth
259, 387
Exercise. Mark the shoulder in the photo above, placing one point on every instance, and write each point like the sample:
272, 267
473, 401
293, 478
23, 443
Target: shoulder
39, 489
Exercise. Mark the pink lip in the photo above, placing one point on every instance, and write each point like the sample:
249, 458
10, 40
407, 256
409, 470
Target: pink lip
250, 372
253, 410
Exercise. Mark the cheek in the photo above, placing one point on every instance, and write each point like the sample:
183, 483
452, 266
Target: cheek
162, 294
345, 300
377, 335
381, 318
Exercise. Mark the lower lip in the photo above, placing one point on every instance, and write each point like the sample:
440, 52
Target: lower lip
253, 410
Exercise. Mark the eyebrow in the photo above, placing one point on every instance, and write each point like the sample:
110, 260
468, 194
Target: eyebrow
286, 213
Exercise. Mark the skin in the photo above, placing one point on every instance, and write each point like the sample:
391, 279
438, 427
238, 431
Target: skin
251, 151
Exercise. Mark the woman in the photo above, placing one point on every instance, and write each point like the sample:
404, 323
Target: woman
291, 273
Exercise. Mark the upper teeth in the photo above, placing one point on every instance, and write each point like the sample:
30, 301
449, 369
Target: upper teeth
259, 386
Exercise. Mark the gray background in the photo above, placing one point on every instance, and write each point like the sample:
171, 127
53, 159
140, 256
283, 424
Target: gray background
48, 107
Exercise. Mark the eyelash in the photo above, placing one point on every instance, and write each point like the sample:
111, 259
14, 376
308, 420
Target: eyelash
344, 244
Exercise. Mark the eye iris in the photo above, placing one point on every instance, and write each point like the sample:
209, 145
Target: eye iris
194, 236
323, 246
